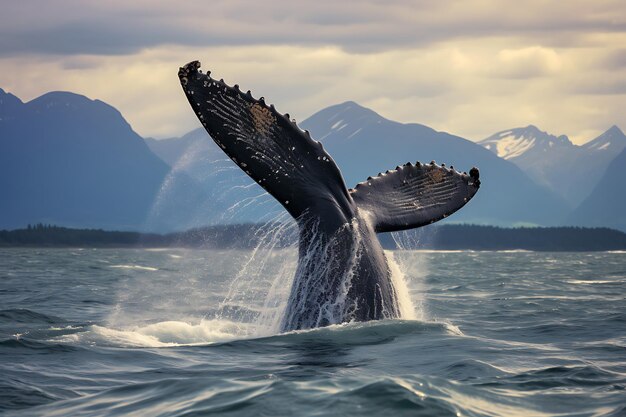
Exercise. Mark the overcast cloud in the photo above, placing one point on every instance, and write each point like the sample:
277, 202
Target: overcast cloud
467, 67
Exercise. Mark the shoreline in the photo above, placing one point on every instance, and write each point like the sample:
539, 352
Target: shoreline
247, 236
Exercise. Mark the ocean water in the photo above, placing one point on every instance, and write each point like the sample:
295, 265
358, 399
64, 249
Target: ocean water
176, 332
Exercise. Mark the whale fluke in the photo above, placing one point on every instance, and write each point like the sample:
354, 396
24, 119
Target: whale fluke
342, 273
415, 196
270, 148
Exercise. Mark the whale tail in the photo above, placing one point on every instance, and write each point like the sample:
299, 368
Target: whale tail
414, 195
302, 176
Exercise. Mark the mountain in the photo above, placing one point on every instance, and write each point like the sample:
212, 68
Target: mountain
364, 143
72, 161
10, 105
69, 160
613, 141
567, 169
606, 205
525, 143
228, 194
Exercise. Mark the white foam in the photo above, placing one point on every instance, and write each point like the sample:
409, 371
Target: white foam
164, 334
592, 282
405, 304
453, 329
137, 267
442, 250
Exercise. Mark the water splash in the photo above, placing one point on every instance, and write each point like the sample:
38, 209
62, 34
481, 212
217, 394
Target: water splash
162, 334
408, 310
323, 278
208, 189
270, 269
273, 245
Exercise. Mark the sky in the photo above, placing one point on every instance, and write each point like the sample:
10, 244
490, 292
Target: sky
470, 68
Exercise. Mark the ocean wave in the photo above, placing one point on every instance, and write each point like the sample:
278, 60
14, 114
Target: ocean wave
397, 396
440, 250
136, 267
559, 376
162, 334
23, 396
358, 334
23, 315
37, 345
594, 282
216, 331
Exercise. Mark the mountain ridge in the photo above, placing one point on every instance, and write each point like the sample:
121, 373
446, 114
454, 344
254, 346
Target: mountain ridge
605, 204
569, 170
381, 144
79, 159
71, 160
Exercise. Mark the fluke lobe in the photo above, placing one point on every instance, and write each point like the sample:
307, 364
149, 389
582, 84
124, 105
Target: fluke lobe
342, 272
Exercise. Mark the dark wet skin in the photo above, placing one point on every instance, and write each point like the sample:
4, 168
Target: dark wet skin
342, 274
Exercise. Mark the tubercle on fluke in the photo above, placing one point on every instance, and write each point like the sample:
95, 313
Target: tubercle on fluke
474, 174
194, 67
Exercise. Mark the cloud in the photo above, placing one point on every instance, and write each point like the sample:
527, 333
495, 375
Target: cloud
529, 62
600, 87
614, 60
121, 27
470, 68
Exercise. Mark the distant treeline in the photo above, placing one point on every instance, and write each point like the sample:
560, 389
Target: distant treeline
222, 236
445, 237
453, 237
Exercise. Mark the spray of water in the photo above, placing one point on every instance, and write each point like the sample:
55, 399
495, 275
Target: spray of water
256, 293
267, 271
408, 310
256, 300
208, 189
409, 266
323, 278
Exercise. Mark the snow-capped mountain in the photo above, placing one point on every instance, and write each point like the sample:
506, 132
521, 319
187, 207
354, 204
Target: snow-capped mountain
613, 141
363, 143
570, 170
524, 142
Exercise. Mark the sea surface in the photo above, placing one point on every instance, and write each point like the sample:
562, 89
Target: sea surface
177, 332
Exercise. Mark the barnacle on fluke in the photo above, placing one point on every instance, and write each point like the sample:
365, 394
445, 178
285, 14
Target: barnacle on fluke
342, 264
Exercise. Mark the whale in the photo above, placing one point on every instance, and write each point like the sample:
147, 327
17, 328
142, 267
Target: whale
343, 274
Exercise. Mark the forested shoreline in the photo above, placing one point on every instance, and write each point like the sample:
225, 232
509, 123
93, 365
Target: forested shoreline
246, 236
